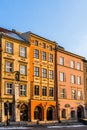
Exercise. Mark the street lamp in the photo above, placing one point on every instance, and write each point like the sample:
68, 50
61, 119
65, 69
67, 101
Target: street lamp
7, 108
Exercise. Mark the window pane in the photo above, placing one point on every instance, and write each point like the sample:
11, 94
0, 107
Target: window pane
44, 91
9, 66
8, 88
36, 53
36, 71
44, 56
44, 73
36, 90
61, 61
22, 69
9, 47
23, 51
23, 90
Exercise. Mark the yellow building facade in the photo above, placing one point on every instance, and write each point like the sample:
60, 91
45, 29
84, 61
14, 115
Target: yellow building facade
14, 52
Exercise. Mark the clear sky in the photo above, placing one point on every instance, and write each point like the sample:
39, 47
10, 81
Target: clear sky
63, 21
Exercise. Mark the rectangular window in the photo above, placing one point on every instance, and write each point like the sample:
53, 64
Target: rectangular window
44, 91
61, 61
9, 47
8, 88
36, 90
50, 48
44, 73
51, 58
23, 51
79, 66
36, 43
23, 90
80, 95
44, 56
73, 79
23, 69
9, 66
36, 53
63, 94
36, 71
43, 45
72, 64
51, 91
62, 77
51, 74
73, 94
79, 80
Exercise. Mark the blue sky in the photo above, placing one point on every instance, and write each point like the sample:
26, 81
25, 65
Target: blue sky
63, 21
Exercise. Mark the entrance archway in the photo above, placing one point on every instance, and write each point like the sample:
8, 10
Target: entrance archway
24, 112
50, 113
38, 113
80, 112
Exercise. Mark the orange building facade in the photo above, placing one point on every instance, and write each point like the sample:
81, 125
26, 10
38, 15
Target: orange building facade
42, 78
71, 95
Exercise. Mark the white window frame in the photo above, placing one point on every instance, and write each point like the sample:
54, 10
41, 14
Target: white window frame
73, 79
51, 58
9, 47
23, 89
8, 88
72, 64
22, 51
79, 80
51, 75
78, 66
23, 69
62, 76
61, 60
9, 66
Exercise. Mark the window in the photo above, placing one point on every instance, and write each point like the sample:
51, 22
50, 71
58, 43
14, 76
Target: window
8, 88
50, 48
79, 66
23, 51
9, 47
80, 95
44, 91
62, 77
63, 113
63, 94
23, 90
61, 61
51, 74
43, 55
9, 66
72, 64
43, 45
73, 94
36, 53
44, 73
36, 71
50, 57
79, 80
73, 79
51, 92
23, 69
36, 43
36, 90
72, 114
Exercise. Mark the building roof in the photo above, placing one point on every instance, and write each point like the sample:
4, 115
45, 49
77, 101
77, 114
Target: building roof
12, 34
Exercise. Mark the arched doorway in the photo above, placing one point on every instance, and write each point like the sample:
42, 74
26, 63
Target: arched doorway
38, 113
80, 112
63, 114
50, 113
24, 112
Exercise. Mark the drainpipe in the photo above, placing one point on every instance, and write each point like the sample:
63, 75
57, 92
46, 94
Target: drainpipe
56, 77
